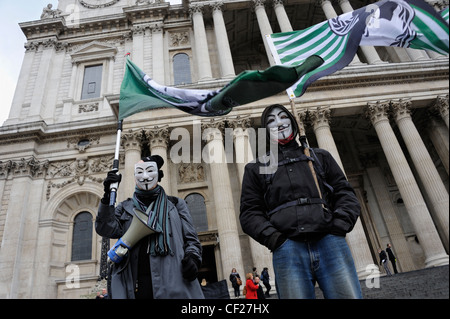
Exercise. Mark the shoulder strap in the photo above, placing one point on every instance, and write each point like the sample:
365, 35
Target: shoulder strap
319, 169
173, 199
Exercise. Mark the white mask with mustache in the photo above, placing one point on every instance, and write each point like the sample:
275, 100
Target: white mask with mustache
279, 124
146, 175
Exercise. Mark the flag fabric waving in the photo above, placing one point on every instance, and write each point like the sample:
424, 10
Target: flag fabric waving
139, 92
401, 23
444, 14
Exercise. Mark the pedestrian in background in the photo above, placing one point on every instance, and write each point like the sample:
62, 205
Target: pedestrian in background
236, 282
392, 258
251, 288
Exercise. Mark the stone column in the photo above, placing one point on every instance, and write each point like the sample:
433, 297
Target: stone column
243, 150
22, 83
43, 74
420, 217
356, 239
18, 253
442, 106
283, 20
264, 26
230, 248
137, 55
321, 119
131, 142
330, 13
438, 134
223, 46
201, 44
158, 52
369, 52
432, 182
159, 142
261, 256
387, 210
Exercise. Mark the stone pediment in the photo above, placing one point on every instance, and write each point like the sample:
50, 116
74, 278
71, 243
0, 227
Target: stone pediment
93, 51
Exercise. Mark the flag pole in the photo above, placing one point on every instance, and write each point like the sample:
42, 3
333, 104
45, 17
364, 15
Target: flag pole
114, 186
304, 142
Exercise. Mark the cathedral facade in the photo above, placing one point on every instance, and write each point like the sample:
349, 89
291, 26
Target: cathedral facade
385, 118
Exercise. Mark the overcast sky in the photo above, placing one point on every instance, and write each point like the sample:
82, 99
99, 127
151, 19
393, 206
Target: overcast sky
12, 44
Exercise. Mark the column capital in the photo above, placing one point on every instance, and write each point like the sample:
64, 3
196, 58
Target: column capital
278, 2
132, 139
258, 3
303, 114
441, 105
321, 2
213, 129
377, 111
32, 46
139, 29
196, 8
239, 125
401, 109
321, 116
158, 136
243, 122
156, 27
216, 6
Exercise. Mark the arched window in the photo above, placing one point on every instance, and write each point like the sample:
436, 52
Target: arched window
181, 69
82, 237
197, 208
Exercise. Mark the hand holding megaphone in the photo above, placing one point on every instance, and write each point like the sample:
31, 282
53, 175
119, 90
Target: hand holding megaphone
137, 230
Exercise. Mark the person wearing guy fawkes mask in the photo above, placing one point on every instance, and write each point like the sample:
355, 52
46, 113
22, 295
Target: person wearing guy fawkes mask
161, 265
305, 229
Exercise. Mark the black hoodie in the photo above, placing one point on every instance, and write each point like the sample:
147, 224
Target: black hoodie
261, 216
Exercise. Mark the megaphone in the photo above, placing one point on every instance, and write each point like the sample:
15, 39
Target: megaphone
137, 230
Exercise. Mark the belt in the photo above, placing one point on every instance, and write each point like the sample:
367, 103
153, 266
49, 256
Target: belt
298, 201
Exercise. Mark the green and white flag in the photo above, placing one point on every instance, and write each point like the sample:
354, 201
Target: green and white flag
402, 23
139, 92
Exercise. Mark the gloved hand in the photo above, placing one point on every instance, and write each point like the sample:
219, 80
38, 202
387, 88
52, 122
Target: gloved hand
111, 178
276, 240
190, 265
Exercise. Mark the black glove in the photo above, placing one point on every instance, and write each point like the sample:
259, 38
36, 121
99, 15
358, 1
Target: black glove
111, 178
190, 265
275, 241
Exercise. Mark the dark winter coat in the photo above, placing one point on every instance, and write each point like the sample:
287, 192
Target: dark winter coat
167, 278
290, 182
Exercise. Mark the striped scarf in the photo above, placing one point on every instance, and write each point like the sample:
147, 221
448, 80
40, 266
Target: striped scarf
158, 219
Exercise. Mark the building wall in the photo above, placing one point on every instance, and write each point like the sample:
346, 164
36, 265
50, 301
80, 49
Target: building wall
56, 148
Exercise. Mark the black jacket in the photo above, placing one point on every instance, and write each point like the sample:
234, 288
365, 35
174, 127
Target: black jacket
290, 182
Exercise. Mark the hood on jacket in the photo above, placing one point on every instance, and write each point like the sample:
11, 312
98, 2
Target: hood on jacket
266, 113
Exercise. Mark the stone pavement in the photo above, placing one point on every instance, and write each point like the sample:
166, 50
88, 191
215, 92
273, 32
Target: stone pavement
429, 283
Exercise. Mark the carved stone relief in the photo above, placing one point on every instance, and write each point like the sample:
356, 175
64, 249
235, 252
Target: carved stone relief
77, 171
191, 173
178, 39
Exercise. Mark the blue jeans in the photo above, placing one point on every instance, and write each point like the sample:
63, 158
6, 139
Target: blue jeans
298, 265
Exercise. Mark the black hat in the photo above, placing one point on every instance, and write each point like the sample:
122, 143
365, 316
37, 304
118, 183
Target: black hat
159, 163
